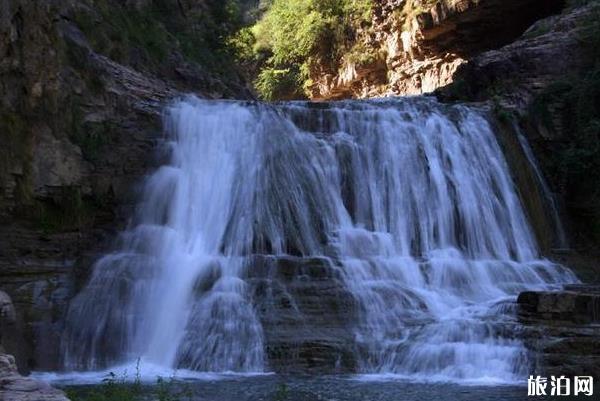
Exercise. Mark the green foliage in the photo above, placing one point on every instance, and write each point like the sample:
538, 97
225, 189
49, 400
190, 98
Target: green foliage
92, 137
275, 84
203, 37
147, 36
410, 10
113, 388
242, 44
119, 388
292, 34
361, 55
504, 115
119, 32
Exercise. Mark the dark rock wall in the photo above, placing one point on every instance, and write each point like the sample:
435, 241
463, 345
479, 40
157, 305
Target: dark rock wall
531, 194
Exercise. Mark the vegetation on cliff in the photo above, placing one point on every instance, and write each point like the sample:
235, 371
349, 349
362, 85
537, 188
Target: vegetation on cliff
294, 37
147, 36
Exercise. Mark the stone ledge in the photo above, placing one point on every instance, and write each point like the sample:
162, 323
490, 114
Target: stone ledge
562, 330
577, 305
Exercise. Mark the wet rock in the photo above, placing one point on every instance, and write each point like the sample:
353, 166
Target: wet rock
577, 304
306, 312
562, 330
7, 310
7, 318
13, 386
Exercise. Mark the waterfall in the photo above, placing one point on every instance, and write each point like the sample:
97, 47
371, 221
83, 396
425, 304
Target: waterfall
561, 236
411, 200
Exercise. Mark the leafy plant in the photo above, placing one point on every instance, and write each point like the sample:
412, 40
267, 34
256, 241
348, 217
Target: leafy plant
147, 36
293, 35
118, 388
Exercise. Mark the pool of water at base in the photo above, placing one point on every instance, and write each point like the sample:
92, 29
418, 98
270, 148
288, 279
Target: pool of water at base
331, 388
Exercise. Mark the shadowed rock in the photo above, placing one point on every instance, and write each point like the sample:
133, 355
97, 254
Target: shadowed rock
306, 312
562, 329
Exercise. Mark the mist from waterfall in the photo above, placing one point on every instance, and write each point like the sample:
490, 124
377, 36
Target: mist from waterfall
412, 201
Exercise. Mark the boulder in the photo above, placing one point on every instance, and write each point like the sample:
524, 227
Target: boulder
577, 304
14, 387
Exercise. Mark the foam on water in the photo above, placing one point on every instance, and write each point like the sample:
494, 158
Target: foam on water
145, 372
412, 200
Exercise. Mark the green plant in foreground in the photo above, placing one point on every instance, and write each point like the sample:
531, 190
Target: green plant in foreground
118, 388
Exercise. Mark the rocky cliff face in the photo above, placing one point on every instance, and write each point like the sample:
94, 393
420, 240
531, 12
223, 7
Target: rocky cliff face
418, 45
82, 88
539, 82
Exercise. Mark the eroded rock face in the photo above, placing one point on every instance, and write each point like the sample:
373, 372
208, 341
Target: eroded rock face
548, 50
421, 44
562, 330
578, 304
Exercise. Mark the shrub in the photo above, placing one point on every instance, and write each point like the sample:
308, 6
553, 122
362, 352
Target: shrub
275, 84
293, 34
147, 36
119, 388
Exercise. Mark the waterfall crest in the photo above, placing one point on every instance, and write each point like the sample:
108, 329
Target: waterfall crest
411, 201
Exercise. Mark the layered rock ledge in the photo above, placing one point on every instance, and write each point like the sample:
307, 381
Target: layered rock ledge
562, 329
306, 312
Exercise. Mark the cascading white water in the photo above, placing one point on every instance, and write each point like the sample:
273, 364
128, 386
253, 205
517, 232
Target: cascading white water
411, 199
